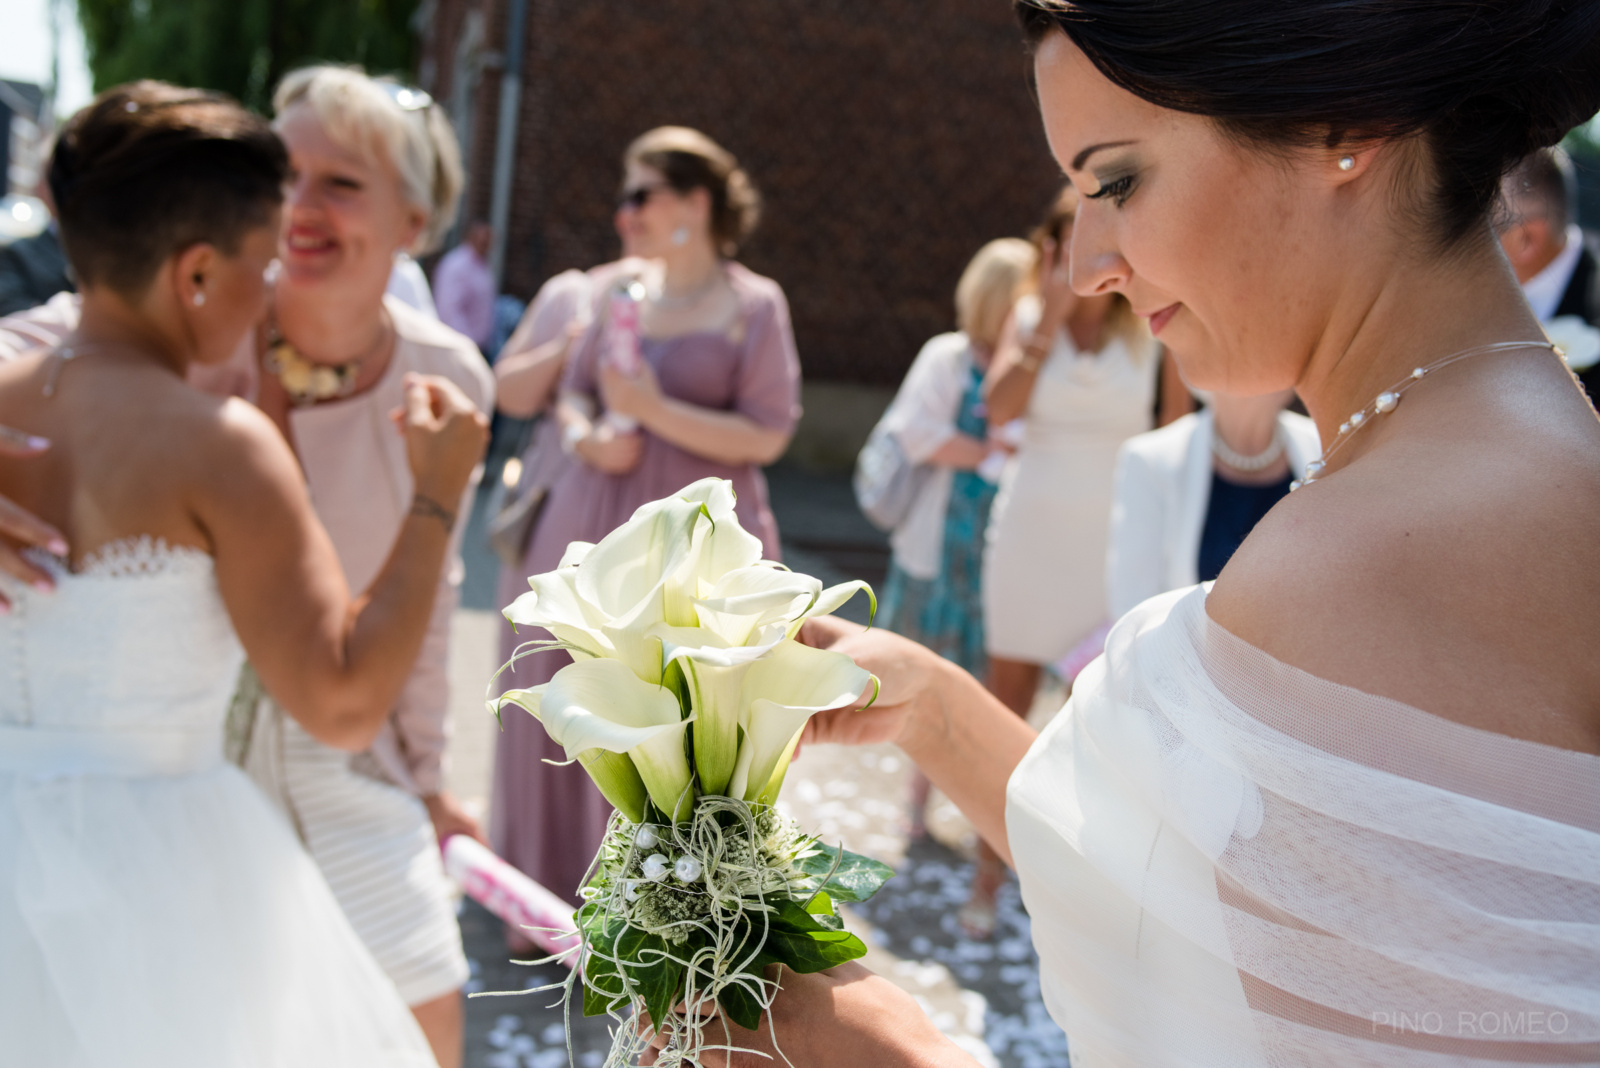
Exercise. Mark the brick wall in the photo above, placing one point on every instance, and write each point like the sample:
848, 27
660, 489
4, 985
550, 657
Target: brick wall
889, 139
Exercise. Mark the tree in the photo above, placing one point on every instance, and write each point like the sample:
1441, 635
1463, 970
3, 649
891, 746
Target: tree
241, 47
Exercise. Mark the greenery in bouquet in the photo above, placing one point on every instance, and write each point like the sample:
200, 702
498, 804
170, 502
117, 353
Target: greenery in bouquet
685, 701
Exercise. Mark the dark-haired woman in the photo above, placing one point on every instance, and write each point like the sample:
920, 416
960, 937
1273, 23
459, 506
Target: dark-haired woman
1344, 806
154, 910
716, 393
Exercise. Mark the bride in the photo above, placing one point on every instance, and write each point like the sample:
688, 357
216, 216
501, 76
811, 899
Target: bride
1343, 807
153, 910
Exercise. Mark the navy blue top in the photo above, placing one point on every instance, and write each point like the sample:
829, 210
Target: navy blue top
1231, 515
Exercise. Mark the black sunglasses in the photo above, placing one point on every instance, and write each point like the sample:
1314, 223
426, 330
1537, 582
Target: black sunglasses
634, 199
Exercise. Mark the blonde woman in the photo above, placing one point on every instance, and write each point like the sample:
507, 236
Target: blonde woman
374, 174
1080, 372
937, 417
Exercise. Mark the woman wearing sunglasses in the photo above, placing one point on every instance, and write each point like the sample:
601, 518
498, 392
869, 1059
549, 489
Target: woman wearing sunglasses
716, 393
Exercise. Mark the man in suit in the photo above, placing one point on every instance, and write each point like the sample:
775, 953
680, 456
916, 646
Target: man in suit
1556, 264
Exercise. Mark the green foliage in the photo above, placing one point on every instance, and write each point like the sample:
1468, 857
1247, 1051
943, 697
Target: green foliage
854, 877
241, 47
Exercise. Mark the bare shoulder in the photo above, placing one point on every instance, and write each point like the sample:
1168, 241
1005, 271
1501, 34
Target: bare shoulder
1453, 571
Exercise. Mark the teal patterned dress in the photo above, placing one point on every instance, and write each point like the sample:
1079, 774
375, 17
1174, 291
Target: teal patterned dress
946, 614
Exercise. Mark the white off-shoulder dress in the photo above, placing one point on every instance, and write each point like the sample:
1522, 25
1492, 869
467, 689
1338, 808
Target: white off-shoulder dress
1229, 862
155, 912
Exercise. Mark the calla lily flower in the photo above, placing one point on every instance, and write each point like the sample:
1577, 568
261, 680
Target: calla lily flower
682, 582
783, 690
600, 706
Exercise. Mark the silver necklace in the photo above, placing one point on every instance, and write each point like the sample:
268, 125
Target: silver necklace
1249, 464
1389, 400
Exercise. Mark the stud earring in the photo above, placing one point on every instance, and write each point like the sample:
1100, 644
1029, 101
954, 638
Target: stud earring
680, 236
200, 299
1347, 163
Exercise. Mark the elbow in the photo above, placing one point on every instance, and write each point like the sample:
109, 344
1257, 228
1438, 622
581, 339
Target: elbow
347, 724
770, 450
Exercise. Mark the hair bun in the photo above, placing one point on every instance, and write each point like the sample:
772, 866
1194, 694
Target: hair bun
1557, 85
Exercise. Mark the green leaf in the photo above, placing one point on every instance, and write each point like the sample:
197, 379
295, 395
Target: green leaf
658, 979
741, 1006
821, 905
856, 879
798, 941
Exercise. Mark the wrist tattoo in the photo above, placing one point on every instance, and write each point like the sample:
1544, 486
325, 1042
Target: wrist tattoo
429, 508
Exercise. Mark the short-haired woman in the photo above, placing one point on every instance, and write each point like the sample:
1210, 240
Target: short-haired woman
154, 910
1342, 807
716, 394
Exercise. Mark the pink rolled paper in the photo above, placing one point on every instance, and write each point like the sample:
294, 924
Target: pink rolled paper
512, 896
1082, 654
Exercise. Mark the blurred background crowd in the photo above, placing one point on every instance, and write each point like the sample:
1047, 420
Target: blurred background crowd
850, 297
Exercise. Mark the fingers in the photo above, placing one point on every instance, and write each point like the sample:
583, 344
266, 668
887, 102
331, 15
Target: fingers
824, 632
29, 529
21, 443
15, 565
419, 402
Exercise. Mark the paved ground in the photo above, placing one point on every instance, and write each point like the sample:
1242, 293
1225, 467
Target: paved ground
985, 995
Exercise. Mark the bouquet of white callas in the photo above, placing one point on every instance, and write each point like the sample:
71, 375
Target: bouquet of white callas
685, 700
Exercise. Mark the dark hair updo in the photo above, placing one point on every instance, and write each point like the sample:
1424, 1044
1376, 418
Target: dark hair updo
149, 169
1481, 82
688, 160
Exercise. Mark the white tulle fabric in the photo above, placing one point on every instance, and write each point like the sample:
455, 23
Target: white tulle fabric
154, 911
1230, 862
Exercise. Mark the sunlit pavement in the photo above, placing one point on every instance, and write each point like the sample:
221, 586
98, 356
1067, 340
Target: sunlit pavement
985, 995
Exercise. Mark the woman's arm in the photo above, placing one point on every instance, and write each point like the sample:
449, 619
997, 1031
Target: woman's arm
525, 380
961, 451
335, 662
722, 437
1008, 386
20, 529
960, 735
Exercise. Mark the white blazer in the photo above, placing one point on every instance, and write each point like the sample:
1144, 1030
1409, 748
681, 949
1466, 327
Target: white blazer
1158, 510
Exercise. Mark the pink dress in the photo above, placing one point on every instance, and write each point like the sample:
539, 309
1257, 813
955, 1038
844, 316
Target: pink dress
548, 820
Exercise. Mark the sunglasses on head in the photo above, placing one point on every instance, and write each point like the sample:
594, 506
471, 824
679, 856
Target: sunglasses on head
634, 199
405, 97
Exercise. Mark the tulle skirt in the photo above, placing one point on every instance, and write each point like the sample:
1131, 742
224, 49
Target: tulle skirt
164, 922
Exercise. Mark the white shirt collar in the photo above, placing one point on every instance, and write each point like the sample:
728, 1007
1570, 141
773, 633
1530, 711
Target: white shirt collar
1544, 290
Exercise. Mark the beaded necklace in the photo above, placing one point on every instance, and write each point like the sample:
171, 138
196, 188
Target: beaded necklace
1389, 400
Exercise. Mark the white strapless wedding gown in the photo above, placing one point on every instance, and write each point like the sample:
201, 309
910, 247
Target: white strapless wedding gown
155, 912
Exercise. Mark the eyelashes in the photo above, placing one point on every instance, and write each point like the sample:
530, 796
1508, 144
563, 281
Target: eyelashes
1118, 190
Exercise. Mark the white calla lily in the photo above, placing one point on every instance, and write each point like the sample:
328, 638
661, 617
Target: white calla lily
782, 691
713, 673
601, 704
613, 773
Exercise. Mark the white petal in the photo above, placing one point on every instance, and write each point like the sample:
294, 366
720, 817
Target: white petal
833, 598
784, 689
624, 574
575, 554
600, 704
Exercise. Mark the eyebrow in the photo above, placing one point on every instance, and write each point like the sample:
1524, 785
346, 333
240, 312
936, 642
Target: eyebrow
1083, 157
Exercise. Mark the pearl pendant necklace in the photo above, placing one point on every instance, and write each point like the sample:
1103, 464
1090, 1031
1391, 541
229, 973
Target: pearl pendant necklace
1389, 400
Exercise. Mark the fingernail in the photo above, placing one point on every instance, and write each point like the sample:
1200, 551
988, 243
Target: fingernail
57, 546
43, 585
36, 442
5, 608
